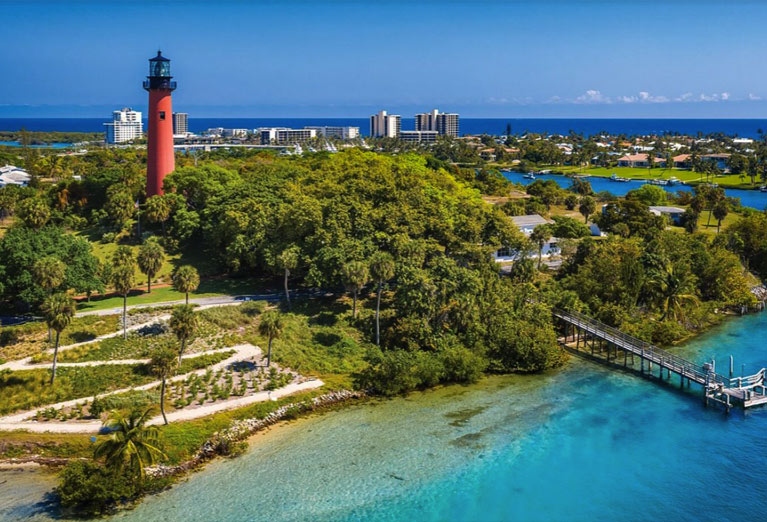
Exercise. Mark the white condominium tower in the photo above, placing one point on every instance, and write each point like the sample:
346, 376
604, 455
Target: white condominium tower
384, 125
443, 123
125, 126
180, 123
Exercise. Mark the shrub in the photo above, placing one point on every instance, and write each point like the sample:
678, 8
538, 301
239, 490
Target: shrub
89, 489
462, 365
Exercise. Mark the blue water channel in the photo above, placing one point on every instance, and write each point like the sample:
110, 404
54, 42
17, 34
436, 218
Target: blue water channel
748, 198
582, 443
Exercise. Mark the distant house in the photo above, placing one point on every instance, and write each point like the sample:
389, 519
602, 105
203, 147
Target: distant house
720, 160
526, 225
633, 160
673, 213
682, 161
487, 154
639, 161
10, 175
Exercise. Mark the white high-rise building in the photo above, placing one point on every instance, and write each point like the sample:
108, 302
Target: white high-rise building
180, 123
126, 125
384, 125
443, 123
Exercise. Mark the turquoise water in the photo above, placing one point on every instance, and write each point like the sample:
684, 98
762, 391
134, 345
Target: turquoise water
582, 443
48, 145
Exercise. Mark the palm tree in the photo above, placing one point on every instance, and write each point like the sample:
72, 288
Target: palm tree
381, 269
123, 278
587, 207
673, 291
186, 279
158, 209
183, 322
288, 260
270, 327
539, 236
150, 258
720, 211
49, 272
132, 443
58, 310
163, 363
714, 197
355, 276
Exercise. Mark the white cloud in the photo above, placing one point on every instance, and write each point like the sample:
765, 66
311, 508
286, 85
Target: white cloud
592, 96
595, 96
646, 97
753, 97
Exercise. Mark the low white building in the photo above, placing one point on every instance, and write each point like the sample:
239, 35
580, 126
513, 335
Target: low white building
673, 213
285, 136
343, 133
10, 175
419, 136
526, 225
126, 125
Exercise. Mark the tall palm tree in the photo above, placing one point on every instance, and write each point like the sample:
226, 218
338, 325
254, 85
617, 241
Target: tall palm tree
381, 270
673, 291
123, 278
539, 236
150, 258
163, 363
355, 276
186, 279
58, 310
270, 327
288, 260
132, 444
49, 272
720, 211
587, 207
183, 322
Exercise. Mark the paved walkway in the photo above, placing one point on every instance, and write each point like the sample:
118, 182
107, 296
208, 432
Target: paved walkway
17, 421
26, 362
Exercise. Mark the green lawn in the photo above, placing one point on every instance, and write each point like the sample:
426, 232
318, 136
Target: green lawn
730, 180
189, 256
208, 288
320, 338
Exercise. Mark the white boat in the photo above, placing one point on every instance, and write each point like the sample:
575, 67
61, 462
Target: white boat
763, 188
529, 176
660, 182
673, 181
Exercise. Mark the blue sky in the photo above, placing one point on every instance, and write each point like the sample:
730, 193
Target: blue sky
313, 58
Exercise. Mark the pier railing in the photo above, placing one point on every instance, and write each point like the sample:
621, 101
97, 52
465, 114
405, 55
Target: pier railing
646, 350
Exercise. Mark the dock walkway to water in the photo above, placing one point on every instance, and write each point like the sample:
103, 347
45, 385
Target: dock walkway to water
583, 332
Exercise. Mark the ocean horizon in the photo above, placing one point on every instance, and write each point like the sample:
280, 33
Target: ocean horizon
741, 127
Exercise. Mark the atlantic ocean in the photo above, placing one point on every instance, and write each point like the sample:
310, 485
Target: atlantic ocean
734, 127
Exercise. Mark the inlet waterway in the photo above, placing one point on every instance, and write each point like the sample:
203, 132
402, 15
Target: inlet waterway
581, 443
748, 198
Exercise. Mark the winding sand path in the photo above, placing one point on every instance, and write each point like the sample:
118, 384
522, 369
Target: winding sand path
17, 421
26, 362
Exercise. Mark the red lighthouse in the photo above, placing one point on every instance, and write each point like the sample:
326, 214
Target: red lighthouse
160, 160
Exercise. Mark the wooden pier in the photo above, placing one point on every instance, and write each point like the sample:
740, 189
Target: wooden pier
590, 334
